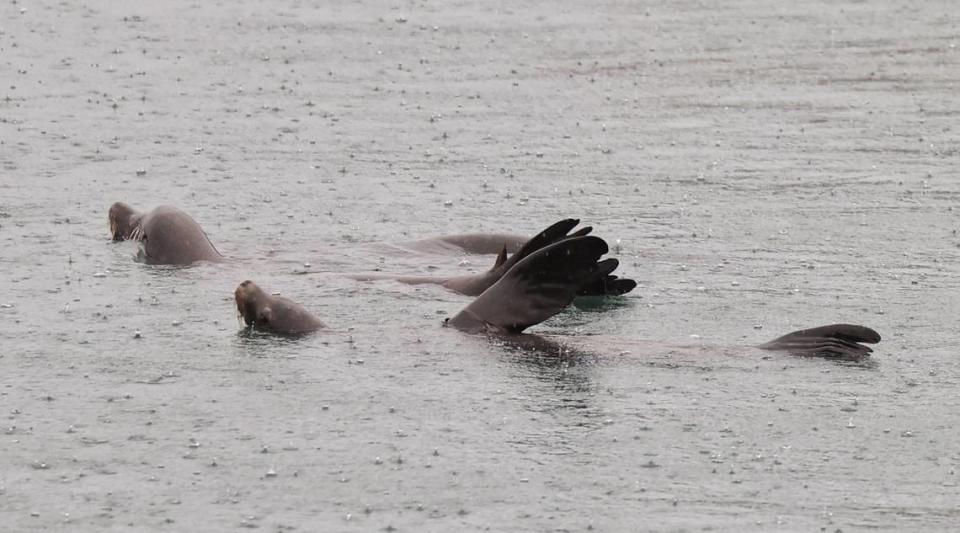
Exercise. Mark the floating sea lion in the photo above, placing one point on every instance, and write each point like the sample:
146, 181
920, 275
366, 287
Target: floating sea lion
533, 290
538, 287
275, 314
476, 284
167, 235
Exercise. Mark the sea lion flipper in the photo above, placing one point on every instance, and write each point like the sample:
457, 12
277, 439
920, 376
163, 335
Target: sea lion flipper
604, 283
835, 340
609, 285
555, 232
582, 231
599, 285
538, 287
501, 257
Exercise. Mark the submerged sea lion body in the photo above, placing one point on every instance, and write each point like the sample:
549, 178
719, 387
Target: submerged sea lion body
469, 244
167, 235
476, 284
533, 290
836, 342
275, 314
538, 286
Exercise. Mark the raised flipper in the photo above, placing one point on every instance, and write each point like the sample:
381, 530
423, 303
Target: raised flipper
608, 285
556, 232
537, 287
600, 285
839, 341
474, 285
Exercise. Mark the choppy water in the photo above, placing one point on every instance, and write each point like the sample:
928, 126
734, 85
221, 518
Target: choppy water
755, 164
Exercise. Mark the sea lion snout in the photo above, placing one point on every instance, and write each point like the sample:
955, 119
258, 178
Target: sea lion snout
245, 296
121, 218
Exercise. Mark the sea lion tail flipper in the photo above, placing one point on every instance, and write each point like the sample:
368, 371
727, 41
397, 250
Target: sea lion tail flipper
538, 287
841, 341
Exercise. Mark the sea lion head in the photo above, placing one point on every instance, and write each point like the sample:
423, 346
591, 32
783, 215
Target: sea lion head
123, 221
275, 314
253, 305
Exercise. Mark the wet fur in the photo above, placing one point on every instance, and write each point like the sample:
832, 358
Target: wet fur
167, 235
274, 314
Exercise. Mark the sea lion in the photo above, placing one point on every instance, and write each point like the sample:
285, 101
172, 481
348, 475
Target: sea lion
167, 235
468, 243
275, 314
476, 284
546, 281
538, 287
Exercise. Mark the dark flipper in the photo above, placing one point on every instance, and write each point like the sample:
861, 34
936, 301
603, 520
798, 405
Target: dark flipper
608, 285
538, 287
599, 285
556, 232
840, 341
474, 285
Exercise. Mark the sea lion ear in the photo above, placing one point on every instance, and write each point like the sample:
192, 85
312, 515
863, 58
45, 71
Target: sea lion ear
501, 257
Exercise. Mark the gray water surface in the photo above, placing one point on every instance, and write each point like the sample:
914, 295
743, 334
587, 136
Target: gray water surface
758, 167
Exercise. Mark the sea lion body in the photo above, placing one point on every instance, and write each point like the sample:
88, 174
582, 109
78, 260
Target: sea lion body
469, 244
534, 288
544, 282
167, 235
510, 250
275, 314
